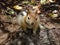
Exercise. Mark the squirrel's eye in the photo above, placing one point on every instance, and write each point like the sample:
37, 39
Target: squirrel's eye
36, 18
28, 18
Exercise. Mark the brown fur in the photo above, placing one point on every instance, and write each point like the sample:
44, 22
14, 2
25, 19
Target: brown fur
27, 23
35, 26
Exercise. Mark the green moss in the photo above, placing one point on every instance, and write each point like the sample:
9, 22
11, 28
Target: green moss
32, 3
43, 1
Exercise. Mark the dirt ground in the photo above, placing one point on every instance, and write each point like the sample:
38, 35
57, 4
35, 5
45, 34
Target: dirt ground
12, 34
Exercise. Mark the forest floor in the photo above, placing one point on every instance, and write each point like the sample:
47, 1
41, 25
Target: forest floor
11, 34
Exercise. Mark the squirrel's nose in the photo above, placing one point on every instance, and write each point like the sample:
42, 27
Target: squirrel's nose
32, 23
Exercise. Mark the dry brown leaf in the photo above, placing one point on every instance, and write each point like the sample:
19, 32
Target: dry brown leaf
3, 37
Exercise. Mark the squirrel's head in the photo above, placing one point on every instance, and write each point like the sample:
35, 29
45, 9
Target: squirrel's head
31, 19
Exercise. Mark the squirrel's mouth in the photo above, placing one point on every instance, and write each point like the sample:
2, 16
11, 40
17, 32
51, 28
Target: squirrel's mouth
29, 24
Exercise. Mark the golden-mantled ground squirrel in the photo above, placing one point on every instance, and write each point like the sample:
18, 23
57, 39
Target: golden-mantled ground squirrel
28, 20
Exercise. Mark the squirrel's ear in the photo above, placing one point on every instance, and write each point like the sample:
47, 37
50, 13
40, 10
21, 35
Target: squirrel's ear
28, 11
